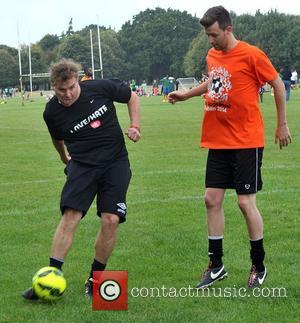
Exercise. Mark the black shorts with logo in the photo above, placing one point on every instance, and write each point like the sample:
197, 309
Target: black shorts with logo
235, 168
109, 183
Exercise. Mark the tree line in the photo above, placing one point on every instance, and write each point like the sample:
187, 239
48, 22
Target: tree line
155, 43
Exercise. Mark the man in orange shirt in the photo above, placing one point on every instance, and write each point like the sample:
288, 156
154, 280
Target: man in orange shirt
88, 75
233, 131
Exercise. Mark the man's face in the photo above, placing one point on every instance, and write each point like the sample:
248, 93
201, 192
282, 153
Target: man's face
67, 92
217, 37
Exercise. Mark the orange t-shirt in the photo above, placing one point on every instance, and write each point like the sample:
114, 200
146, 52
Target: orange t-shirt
86, 78
232, 118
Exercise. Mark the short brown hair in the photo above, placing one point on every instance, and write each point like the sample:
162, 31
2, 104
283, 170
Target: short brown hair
216, 14
64, 70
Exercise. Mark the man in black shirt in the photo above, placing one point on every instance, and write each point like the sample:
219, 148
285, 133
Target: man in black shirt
82, 121
286, 75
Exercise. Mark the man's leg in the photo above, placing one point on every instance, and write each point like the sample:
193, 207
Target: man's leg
106, 237
215, 220
247, 204
64, 235
104, 246
215, 216
61, 243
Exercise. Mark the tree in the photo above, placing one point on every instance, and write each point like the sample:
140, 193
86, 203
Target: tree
70, 30
194, 63
12, 51
156, 41
245, 27
37, 64
9, 75
49, 42
49, 45
75, 47
114, 57
277, 36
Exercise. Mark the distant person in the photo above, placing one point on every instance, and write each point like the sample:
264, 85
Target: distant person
171, 84
144, 88
133, 86
165, 83
155, 88
294, 79
233, 131
84, 128
88, 75
261, 93
286, 75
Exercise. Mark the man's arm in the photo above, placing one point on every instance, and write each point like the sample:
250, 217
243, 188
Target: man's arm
61, 149
133, 132
182, 96
282, 133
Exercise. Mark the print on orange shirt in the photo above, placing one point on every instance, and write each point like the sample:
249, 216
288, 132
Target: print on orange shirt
232, 117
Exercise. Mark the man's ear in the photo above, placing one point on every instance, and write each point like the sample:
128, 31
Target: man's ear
228, 29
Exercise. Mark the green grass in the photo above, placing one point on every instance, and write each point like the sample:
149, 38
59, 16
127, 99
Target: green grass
164, 242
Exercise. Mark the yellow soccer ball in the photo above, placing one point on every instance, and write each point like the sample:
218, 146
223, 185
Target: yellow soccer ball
49, 283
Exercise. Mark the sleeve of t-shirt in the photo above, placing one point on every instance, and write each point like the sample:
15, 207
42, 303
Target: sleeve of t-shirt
54, 134
265, 71
117, 90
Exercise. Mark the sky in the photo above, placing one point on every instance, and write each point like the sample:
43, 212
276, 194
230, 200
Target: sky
36, 18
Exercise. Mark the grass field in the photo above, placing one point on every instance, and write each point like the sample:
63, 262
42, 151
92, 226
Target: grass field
164, 241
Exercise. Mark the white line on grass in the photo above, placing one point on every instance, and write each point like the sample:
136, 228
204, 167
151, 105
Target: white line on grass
39, 181
200, 197
144, 201
29, 142
151, 173
24, 129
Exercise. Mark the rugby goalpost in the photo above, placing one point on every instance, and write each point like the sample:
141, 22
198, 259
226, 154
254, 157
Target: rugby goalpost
47, 74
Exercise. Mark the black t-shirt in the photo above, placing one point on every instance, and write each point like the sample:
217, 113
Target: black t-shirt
286, 74
89, 127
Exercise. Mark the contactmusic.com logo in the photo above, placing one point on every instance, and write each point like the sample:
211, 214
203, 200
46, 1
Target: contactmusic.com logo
110, 290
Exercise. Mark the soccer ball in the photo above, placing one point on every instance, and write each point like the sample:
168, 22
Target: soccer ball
49, 283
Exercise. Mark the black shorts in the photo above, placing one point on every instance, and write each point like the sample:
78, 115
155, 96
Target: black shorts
109, 183
235, 168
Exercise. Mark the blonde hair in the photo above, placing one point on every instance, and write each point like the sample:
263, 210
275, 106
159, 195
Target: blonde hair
64, 70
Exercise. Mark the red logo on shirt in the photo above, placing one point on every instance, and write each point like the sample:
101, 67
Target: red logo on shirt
95, 124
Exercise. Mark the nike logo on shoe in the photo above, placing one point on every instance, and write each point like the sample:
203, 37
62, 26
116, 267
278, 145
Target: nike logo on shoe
215, 275
92, 101
261, 280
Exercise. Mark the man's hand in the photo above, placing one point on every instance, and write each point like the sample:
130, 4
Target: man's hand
65, 159
133, 133
175, 96
283, 136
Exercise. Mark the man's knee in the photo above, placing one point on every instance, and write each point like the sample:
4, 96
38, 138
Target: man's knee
71, 217
246, 204
110, 220
213, 200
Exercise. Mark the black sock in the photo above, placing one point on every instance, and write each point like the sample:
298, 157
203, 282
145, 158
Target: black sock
97, 266
56, 263
257, 254
215, 251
